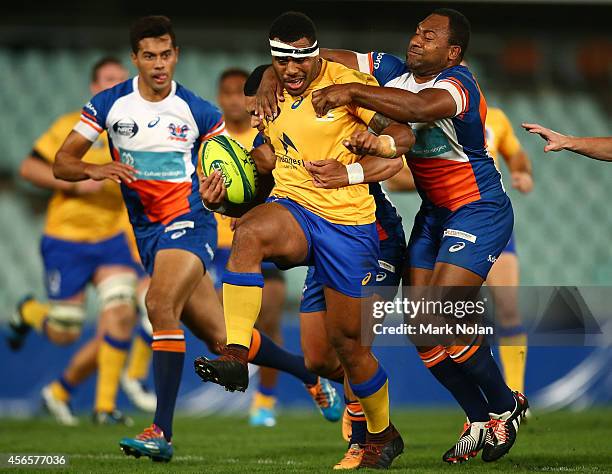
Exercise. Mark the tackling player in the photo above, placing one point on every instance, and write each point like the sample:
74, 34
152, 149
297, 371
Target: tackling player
466, 217
504, 276
301, 224
155, 129
85, 241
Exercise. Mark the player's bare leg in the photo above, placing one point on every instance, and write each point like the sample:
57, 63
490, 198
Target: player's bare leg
116, 287
503, 280
367, 378
266, 231
176, 274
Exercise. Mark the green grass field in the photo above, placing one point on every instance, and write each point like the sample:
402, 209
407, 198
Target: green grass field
303, 442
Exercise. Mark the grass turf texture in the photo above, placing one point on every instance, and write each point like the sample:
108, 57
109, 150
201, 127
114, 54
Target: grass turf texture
304, 442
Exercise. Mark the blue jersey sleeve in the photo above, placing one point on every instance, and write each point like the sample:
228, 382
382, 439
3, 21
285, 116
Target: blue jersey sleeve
386, 67
259, 140
208, 117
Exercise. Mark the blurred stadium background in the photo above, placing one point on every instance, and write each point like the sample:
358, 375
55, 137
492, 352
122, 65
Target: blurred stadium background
540, 62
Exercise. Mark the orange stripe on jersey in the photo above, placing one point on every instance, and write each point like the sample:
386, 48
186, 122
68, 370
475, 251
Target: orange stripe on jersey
255, 344
162, 200
371, 61
433, 356
169, 332
446, 183
465, 96
89, 116
91, 124
482, 110
169, 346
213, 131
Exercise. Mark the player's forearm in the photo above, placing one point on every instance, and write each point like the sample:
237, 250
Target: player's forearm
519, 163
376, 169
40, 174
399, 105
342, 56
402, 181
402, 136
599, 148
69, 168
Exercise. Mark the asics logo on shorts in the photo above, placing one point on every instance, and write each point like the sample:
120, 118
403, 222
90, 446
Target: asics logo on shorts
178, 234
366, 279
456, 247
381, 276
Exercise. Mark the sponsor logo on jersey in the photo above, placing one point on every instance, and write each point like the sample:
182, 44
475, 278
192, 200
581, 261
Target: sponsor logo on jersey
297, 103
154, 122
377, 60
126, 127
456, 247
178, 132
459, 233
327, 118
178, 234
178, 225
89, 106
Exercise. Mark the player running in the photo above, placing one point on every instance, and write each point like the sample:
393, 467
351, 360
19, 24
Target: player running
301, 224
466, 217
155, 129
85, 241
231, 100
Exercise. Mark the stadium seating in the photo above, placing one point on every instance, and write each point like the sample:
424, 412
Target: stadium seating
562, 228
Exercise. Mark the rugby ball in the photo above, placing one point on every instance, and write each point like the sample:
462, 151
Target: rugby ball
224, 154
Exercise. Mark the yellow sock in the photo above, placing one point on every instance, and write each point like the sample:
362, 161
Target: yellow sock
241, 305
376, 409
513, 354
111, 359
139, 359
34, 313
59, 392
263, 401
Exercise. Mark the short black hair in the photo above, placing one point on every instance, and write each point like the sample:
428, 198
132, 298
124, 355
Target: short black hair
233, 72
100, 63
152, 26
459, 27
291, 26
252, 83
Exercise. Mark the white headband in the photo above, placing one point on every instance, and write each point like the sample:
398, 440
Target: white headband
283, 49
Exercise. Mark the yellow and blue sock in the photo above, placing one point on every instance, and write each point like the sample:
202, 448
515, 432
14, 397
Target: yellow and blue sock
168, 358
373, 394
450, 375
264, 352
140, 355
34, 313
513, 355
242, 294
61, 389
111, 360
483, 370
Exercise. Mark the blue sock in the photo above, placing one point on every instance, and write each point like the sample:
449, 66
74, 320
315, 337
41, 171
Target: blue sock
168, 358
67, 386
267, 391
463, 390
268, 354
359, 430
483, 370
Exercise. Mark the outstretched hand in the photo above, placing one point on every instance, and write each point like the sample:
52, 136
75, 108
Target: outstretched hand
555, 141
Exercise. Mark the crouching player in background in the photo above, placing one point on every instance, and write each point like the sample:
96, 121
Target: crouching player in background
84, 242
